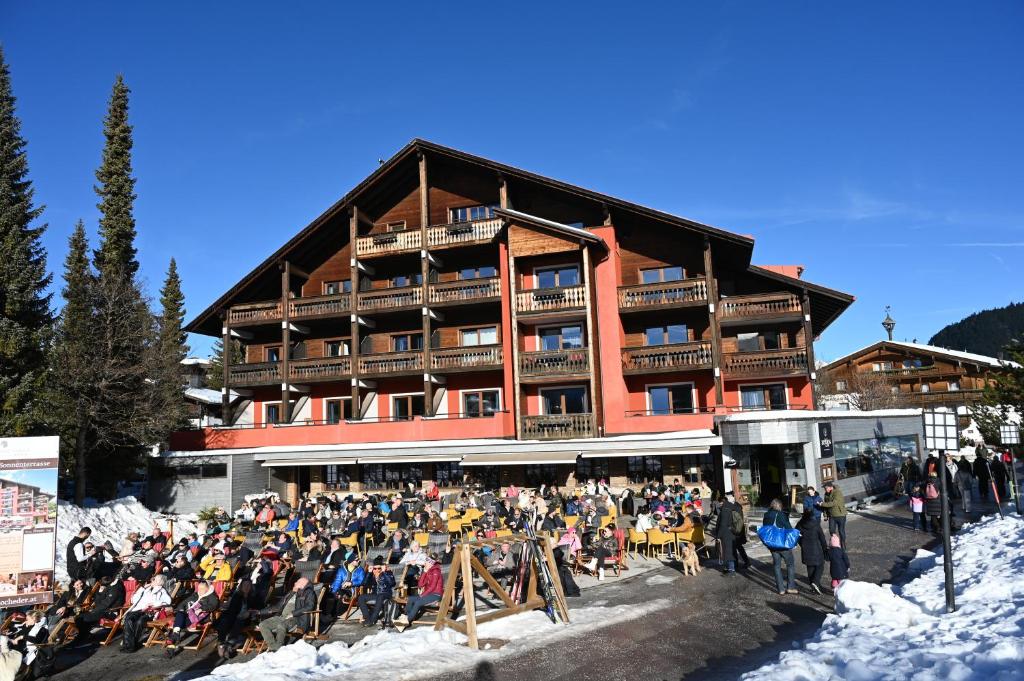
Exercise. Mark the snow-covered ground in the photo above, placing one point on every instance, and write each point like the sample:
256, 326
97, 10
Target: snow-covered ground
421, 651
890, 633
110, 521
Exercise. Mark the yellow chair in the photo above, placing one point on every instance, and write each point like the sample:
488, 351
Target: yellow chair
392, 527
694, 535
472, 514
571, 520
422, 538
636, 539
658, 539
353, 541
455, 526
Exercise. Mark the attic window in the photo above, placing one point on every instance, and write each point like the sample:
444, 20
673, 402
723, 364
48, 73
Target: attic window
470, 213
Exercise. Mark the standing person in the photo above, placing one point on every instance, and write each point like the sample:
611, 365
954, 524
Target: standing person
835, 506
981, 474
76, 553
724, 533
933, 502
811, 501
777, 517
999, 474
964, 482
917, 508
739, 535
813, 548
839, 562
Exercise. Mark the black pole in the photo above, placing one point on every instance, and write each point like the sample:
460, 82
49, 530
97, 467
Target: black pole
947, 550
1013, 478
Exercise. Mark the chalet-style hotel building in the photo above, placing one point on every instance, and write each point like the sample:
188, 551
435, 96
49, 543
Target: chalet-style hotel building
456, 319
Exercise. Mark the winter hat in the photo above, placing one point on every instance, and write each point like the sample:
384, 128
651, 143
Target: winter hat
378, 561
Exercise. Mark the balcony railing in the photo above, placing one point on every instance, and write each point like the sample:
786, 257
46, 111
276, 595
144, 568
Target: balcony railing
263, 373
319, 368
465, 290
389, 242
554, 362
662, 294
550, 299
463, 233
766, 362
320, 306
656, 358
940, 397
255, 313
557, 426
760, 305
922, 372
390, 363
472, 357
391, 298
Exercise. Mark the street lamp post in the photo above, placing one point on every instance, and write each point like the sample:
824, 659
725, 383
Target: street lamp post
941, 433
1009, 435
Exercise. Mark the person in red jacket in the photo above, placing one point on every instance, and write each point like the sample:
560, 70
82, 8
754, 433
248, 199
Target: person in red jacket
430, 587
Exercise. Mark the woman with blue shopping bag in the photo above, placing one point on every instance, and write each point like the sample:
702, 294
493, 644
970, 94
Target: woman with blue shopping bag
779, 537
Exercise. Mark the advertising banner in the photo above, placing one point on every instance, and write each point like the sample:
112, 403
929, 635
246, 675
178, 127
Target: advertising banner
28, 519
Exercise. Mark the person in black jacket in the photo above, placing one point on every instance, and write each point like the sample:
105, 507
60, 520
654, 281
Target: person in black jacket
838, 560
933, 505
981, 474
813, 549
76, 553
295, 612
379, 587
233, 620
108, 599
194, 610
723, 533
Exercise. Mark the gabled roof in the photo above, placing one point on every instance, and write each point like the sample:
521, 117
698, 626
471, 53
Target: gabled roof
932, 350
550, 225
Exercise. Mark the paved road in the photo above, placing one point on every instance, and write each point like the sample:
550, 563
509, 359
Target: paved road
717, 627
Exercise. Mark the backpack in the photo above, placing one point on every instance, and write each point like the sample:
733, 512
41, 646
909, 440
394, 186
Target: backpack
737, 523
930, 491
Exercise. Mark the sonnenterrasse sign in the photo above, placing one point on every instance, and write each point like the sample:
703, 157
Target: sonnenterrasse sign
28, 519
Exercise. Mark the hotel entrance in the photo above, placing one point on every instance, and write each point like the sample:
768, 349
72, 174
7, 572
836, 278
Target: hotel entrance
767, 472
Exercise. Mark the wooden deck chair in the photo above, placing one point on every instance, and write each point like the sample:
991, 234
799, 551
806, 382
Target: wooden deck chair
130, 587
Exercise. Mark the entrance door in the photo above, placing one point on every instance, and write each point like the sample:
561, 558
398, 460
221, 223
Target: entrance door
770, 469
302, 479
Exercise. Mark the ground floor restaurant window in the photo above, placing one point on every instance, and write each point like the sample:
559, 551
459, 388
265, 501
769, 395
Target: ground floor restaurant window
538, 474
390, 476
484, 477
698, 467
641, 469
448, 474
873, 455
335, 477
592, 469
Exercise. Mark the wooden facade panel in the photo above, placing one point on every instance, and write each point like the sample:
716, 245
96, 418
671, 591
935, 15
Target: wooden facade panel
525, 241
643, 247
406, 209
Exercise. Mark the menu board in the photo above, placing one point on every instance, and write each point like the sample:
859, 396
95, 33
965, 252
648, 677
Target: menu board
28, 519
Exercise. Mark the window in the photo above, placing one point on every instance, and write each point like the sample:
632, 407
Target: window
478, 272
390, 476
697, 467
926, 388
480, 403
272, 413
485, 335
591, 469
670, 399
881, 366
335, 411
396, 226
538, 474
561, 338
273, 354
873, 456
469, 213
755, 342
912, 363
841, 386
191, 470
488, 477
564, 400
771, 340
640, 469
337, 348
953, 385
448, 474
664, 335
554, 277
755, 397
334, 477
334, 287
656, 275
404, 407
403, 280
406, 342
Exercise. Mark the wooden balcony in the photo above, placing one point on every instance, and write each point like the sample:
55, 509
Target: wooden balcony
391, 298
922, 372
468, 358
554, 363
787, 362
319, 369
541, 300
465, 291
264, 312
557, 426
665, 294
940, 398
461, 233
388, 243
262, 373
320, 306
391, 363
658, 358
763, 306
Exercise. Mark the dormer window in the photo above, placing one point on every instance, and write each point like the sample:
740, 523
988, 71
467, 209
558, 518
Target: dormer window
470, 213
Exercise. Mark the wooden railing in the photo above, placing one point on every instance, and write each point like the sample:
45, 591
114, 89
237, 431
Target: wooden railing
760, 305
463, 232
922, 372
550, 299
939, 397
465, 357
465, 289
390, 363
263, 373
389, 242
557, 426
766, 362
389, 298
554, 362
319, 368
664, 293
320, 306
696, 355
254, 313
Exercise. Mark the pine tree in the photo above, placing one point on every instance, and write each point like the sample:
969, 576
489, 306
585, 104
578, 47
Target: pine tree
116, 189
170, 349
215, 374
25, 317
1003, 398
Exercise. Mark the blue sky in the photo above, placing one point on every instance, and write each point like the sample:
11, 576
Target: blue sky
878, 144
43, 478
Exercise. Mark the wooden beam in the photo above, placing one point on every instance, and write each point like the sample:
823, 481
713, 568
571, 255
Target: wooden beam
468, 597
503, 196
428, 386
225, 359
805, 307
713, 318
353, 232
286, 343
491, 581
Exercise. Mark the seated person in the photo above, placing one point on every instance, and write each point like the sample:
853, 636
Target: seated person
193, 611
379, 588
30, 634
105, 605
430, 586
552, 521
397, 545
502, 564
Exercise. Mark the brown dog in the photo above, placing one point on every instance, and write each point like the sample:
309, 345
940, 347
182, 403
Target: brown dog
690, 563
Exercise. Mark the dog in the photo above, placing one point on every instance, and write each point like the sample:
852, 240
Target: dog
691, 565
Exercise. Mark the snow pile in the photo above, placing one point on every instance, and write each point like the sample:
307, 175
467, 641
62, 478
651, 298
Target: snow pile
112, 522
882, 633
421, 651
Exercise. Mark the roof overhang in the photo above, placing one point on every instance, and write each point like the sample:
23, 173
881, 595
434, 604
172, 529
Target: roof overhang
826, 303
567, 231
507, 459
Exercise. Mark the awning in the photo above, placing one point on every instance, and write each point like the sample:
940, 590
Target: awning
409, 458
273, 463
675, 451
517, 458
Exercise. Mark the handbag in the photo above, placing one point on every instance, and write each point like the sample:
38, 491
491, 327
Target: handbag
778, 538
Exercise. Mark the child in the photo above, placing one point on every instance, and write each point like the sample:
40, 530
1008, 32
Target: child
917, 506
839, 562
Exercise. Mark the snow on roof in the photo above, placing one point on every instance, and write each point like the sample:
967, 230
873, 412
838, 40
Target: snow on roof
799, 414
935, 349
207, 395
195, 361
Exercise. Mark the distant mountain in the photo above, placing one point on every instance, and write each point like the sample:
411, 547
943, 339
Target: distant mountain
985, 332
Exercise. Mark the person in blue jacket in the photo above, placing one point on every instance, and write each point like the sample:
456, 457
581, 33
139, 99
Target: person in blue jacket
811, 501
777, 517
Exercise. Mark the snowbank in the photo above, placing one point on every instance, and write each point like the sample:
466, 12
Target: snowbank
885, 633
110, 521
387, 655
